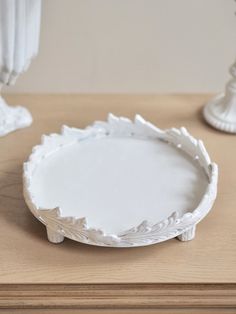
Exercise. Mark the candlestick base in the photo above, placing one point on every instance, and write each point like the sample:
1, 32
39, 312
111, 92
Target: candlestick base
219, 114
13, 118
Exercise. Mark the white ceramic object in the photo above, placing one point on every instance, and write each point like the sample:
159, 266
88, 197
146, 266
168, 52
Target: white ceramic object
120, 183
19, 41
220, 112
13, 118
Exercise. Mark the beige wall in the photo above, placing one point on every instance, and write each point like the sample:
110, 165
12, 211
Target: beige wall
133, 46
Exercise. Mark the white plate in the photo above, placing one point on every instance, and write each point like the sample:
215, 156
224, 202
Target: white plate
120, 183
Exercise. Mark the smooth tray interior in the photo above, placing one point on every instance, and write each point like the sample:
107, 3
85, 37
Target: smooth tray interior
116, 183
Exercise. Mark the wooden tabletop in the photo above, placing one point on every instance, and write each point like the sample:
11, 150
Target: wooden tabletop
26, 256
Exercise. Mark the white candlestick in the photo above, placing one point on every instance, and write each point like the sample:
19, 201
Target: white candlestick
19, 40
220, 112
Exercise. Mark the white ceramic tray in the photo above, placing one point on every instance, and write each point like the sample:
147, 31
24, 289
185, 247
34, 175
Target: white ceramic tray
120, 183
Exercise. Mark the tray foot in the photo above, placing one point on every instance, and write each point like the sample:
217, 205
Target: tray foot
187, 235
54, 236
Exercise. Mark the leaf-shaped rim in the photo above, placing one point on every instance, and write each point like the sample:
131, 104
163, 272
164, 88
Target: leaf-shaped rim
145, 232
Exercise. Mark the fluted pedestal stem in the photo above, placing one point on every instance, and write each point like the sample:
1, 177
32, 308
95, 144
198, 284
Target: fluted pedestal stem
19, 41
220, 112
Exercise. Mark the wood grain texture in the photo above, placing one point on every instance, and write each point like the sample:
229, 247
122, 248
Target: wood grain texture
31, 268
123, 296
120, 311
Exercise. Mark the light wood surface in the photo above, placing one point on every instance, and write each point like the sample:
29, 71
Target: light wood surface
205, 266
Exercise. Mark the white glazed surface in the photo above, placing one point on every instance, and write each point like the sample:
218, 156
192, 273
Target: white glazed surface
13, 118
120, 183
19, 37
220, 112
116, 183
19, 41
